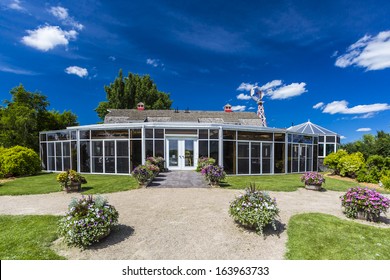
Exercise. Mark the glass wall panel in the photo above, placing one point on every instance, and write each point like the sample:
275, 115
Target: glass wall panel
181, 131
109, 156
51, 163
73, 154
66, 155
214, 148
214, 133
85, 161
309, 158
320, 150
203, 134
243, 157
66, 163
97, 156
329, 149
257, 136
159, 148
135, 133
51, 157
321, 139
315, 158
302, 158
148, 148
73, 135
266, 157
255, 158
122, 156
229, 157
203, 148
84, 134
289, 158
135, 153
148, 133
58, 156
42, 137
280, 137
159, 133
44, 155
330, 139
110, 134
229, 134
295, 156
173, 156
279, 153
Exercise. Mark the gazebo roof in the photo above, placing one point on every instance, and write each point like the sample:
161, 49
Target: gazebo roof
311, 128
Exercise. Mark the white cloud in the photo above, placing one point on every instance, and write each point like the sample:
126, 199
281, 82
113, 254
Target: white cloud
154, 62
238, 108
251, 108
365, 116
318, 105
363, 129
112, 58
369, 52
341, 107
48, 37
16, 5
246, 86
243, 96
62, 14
272, 84
75, 70
284, 92
342, 137
16, 71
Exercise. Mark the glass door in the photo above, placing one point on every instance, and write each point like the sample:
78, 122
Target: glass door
181, 154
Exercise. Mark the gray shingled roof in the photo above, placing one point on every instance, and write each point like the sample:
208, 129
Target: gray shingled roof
133, 115
310, 128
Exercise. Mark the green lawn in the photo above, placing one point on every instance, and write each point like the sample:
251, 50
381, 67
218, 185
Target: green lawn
324, 237
28, 237
283, 182
46, 183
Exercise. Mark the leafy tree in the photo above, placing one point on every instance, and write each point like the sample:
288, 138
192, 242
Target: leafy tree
349, 165
25, 115
332, 160
127, 92
371, 145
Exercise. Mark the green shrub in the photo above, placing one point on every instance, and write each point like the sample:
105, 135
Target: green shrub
68, 177
333, 159
254, 209
349, 165
87, 221
376, 166
385, 180
19, 161
203, 162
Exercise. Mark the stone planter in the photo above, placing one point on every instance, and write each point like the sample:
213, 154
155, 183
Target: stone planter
363, 216
73, 187
313, 187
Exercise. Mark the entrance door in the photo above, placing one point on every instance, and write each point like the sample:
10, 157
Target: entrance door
182, 154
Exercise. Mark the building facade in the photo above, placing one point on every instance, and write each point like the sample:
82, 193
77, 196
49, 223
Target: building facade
236, 140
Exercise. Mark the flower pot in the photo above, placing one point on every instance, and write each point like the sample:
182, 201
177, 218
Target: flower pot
214, 184
313, 187
73, 187
361, 215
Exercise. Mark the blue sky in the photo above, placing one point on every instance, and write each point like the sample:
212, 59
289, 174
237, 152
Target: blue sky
327, 61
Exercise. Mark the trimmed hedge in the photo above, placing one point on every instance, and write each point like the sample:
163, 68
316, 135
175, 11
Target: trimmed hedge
19, 161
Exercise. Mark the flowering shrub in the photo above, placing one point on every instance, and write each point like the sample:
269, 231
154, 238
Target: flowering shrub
254, 209
204, 161
365, 200
87, 221
152, 167
159, 161
312, 178
65, 178
142, 174
214, 173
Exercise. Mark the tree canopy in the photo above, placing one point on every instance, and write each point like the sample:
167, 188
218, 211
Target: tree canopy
127, 92
25, 115
371, 145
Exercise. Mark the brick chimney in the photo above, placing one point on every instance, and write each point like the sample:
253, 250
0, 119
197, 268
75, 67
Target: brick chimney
140, 106
228, 108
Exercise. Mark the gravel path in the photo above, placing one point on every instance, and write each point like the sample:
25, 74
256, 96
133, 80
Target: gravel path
188, 223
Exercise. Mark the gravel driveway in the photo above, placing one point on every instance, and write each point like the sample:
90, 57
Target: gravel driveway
190, 223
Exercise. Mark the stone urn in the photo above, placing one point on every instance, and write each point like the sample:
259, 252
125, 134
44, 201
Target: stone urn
313, 187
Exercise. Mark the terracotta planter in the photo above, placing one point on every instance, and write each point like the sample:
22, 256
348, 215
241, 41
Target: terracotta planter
313, 187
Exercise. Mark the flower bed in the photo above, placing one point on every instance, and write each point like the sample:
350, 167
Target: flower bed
364, 203
87, 221
254, 209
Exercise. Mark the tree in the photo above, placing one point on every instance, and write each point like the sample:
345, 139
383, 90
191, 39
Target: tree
127, 92
25, 115
371, 145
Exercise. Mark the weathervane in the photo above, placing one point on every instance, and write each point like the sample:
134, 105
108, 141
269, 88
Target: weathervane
257, 95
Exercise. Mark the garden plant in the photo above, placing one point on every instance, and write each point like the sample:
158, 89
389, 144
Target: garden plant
70, 179
142, 173
214, 174
203, 162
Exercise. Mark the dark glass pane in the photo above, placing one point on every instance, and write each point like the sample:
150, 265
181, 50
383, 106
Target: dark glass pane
309, 158
338, 140
203, 134
58, 149
289, 158
51, 149
315, 140
135, 133
229, 156
122, 148
51, 163
266, 158
329, 149
243, 166
181, 131
84, 157
320, 150
66, 149
59, 164
321, 139
159, 148
122, 165
255, 165
302, 158
73, 135
279, 137
62, 135
148, 133
203, 149
243, 149
214, 133
149, 148
159, 133
109, 148
97, 164
302, 139
279, 158
229, 134
73, 153
214, 150
66, 163
257, 136
110, 165
42, 137
135, 153
330, 139
51, 136
97, 148
44, 156
289, 136
315, 158
84, 134
109, 134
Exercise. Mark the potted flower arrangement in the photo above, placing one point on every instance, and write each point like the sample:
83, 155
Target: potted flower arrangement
254, 209
154, 168
364, 203
313, 180
87, 221
214, 174
70, 180
142, 174
158, 161
204, 161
